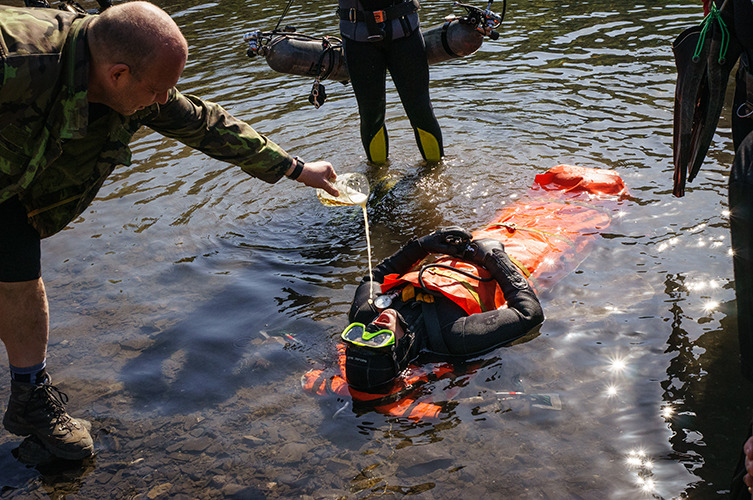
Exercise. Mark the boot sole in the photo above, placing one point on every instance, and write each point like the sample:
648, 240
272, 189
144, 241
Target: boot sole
23, 431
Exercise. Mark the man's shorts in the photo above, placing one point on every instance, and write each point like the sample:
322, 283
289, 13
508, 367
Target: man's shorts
20, 248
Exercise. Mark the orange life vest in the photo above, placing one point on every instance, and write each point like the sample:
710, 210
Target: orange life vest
472, 295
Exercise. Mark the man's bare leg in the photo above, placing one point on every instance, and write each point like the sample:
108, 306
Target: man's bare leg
24, 322
36, 407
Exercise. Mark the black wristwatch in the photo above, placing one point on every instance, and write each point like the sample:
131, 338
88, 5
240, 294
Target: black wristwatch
298, 168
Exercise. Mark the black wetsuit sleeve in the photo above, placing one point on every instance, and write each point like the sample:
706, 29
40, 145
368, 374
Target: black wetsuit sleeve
401, 261
481, 332
398, 263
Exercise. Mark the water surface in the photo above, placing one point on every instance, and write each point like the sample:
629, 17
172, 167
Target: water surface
174, 296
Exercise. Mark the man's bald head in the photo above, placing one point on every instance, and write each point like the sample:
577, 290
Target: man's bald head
138, 34
137, 55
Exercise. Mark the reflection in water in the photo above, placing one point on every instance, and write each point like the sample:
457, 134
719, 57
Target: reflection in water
188, 300
641, 466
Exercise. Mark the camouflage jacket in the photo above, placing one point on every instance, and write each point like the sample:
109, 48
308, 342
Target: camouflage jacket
54, 159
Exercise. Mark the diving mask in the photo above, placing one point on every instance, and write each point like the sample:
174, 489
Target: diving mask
357, 334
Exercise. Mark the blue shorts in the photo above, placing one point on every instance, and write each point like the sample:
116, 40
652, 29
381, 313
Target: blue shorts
20, 248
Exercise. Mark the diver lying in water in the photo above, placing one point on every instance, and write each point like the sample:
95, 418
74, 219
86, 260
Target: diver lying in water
443, 308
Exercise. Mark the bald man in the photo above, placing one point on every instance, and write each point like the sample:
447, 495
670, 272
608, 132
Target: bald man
74, 88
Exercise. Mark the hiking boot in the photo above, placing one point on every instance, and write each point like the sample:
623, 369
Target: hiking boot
39, 410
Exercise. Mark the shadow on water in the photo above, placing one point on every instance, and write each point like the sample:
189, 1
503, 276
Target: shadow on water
56, 478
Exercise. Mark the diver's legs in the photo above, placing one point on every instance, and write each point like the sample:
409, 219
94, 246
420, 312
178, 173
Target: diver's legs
410, 72
368, 71
741, 229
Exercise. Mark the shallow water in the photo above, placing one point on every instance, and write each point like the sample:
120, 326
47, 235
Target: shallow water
175, 296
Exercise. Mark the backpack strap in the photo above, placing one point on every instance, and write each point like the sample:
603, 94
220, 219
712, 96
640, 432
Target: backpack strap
433, 330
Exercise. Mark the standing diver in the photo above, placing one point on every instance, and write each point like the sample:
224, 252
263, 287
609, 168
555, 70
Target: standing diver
741, 214
381, 35
451, 307
724, 37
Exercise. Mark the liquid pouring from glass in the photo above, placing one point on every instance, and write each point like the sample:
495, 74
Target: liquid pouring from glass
354, 190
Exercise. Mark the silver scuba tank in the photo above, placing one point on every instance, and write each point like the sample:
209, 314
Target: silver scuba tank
451, 40
297, 54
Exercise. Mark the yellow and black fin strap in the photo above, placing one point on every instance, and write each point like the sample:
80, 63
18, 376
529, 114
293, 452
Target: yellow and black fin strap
378, 147
425, 297
408, 293
429, 146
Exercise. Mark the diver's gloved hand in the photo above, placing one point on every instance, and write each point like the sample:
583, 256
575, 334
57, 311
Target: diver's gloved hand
491, 254
452, 241
478, 250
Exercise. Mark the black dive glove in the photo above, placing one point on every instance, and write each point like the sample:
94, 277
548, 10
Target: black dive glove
490, 254
478, 250
452, 241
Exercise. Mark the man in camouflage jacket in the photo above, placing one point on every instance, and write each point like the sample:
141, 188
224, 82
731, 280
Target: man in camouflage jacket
74, 88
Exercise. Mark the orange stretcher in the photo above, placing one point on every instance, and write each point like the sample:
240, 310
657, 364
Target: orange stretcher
547, 234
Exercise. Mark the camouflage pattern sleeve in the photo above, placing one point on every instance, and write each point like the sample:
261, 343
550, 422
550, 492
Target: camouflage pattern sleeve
209, 128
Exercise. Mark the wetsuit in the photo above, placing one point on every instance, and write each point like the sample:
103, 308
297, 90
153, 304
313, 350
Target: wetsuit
741, 203
461, 334
396, 44
741, 183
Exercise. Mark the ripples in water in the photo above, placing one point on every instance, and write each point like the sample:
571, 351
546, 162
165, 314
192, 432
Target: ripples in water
189, 299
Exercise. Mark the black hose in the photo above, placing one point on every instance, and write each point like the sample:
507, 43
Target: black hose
445, 266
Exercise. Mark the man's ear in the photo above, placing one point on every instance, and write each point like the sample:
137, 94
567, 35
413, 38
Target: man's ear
117, 74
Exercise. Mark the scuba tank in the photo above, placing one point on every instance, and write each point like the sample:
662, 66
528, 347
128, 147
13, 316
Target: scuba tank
289, 52
462, 36
451, 40
298, 54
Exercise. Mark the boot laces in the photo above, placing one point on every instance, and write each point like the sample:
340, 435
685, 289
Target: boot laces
54, 400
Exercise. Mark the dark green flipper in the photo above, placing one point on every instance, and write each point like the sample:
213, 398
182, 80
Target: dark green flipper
691, 87
704, 56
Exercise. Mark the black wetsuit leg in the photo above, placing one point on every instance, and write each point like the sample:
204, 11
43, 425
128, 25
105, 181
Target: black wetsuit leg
741, 221
741, 191
367, 65
741, 229
410, 72
405, 58
741, 127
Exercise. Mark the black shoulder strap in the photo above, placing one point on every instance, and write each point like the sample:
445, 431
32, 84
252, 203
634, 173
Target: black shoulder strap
434, 332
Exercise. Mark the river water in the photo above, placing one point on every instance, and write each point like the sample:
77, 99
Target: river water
189, 299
